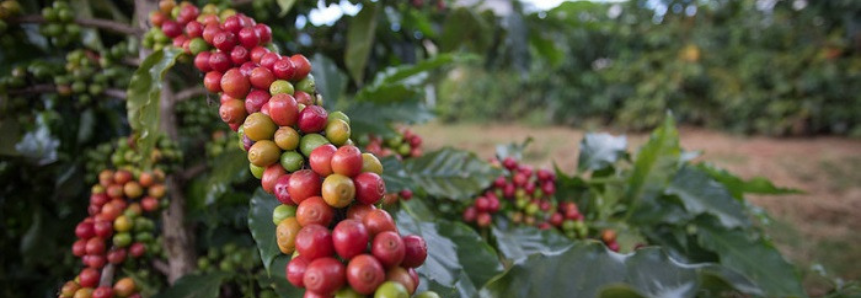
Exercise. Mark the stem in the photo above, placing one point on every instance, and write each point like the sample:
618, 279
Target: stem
179, 239
93, 23
107, 278
189, 93
51, 88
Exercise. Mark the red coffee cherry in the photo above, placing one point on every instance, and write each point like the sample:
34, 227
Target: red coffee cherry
257, 54
95, 246
79, 248
314, 242
232, 111
358, 211
350, 238
271, 176
209, 32
388, 248
235, 84
365, 274
137, 249
313, 119
261, 77
314, 211
248, 37
303, 98
85, 230
304, 184
89, 277
103, 292
269, 59
233, 24
378, 221
171, 28
415, 251
283, 109
325, 276
281, 190
117, 255
321, 159
194, 29
347, 160
303, 66
370, 188
284, 69
239, 55
255, 100
212, 81
403, 277
264, 32
201, 61
296, 271
224, 41
219, 61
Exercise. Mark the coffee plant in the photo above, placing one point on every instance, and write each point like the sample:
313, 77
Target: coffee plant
288, 175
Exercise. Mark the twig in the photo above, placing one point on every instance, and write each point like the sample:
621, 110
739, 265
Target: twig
160, 266
116, 93
51, 88
94, 23
107, 278
132, 62
189, 93
193, 171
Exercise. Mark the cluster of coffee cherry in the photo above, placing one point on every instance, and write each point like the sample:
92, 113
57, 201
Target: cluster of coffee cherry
404, 144
303, 155
528, 195
116, 232
122, 154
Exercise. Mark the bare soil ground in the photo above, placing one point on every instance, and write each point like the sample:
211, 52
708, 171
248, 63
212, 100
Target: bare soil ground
819, 227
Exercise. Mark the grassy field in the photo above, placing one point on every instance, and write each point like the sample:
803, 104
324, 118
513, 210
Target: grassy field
818, 227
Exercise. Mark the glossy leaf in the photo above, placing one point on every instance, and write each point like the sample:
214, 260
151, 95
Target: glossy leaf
400, 83
654, 166
738, 187
144, 96
367, 117
394, 175
589, 269
701, 194
277, 279
753, 257
464, 28
600, 150
195, 286
451, 173
331, 82
458, 262
517, 243
262, 229
360, 40
514, 150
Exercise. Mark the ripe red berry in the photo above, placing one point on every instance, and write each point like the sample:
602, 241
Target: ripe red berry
314, 242
314, 210
281, 190
321, 159
187, 13
406, 194
89, 277
264, 32
79, 248
224, 41
365, 274
313, 119
378, 221
350, 238
233, 24
85, 230
548, 187
304, 184
509, 163
103, 228
209, 32
248, 37
232, 111
103, 292
325, 276
157, 18
212, 81
303, 66
483, 219
247, 67
95, 246
269, 59
137, 249
358, 211
117, 256
284, 69
239, 55
201, 61
347, 160
261, 77
171, 28
388, 248
257, 54
283, 109
235, 84
520, 179
296, 271
481, 204
303, 98
271, 176
370, 188
255, 100
416, 251
219, 61
149, 204
404, 277
194, 29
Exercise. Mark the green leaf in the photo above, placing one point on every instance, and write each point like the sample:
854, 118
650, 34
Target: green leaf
144, 96
285, 6
195, 286
753, 257
464, 28
372, 118
360, 40
546, 48
395, 84
655, 165
600, 150
514, 150
277, 279
331, 82
517, 243
226, 169
589, 269
262, 229
701, 194
458, 259
394, 175
738, 187
451, 173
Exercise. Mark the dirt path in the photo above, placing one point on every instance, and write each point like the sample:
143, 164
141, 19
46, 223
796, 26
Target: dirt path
820, 226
